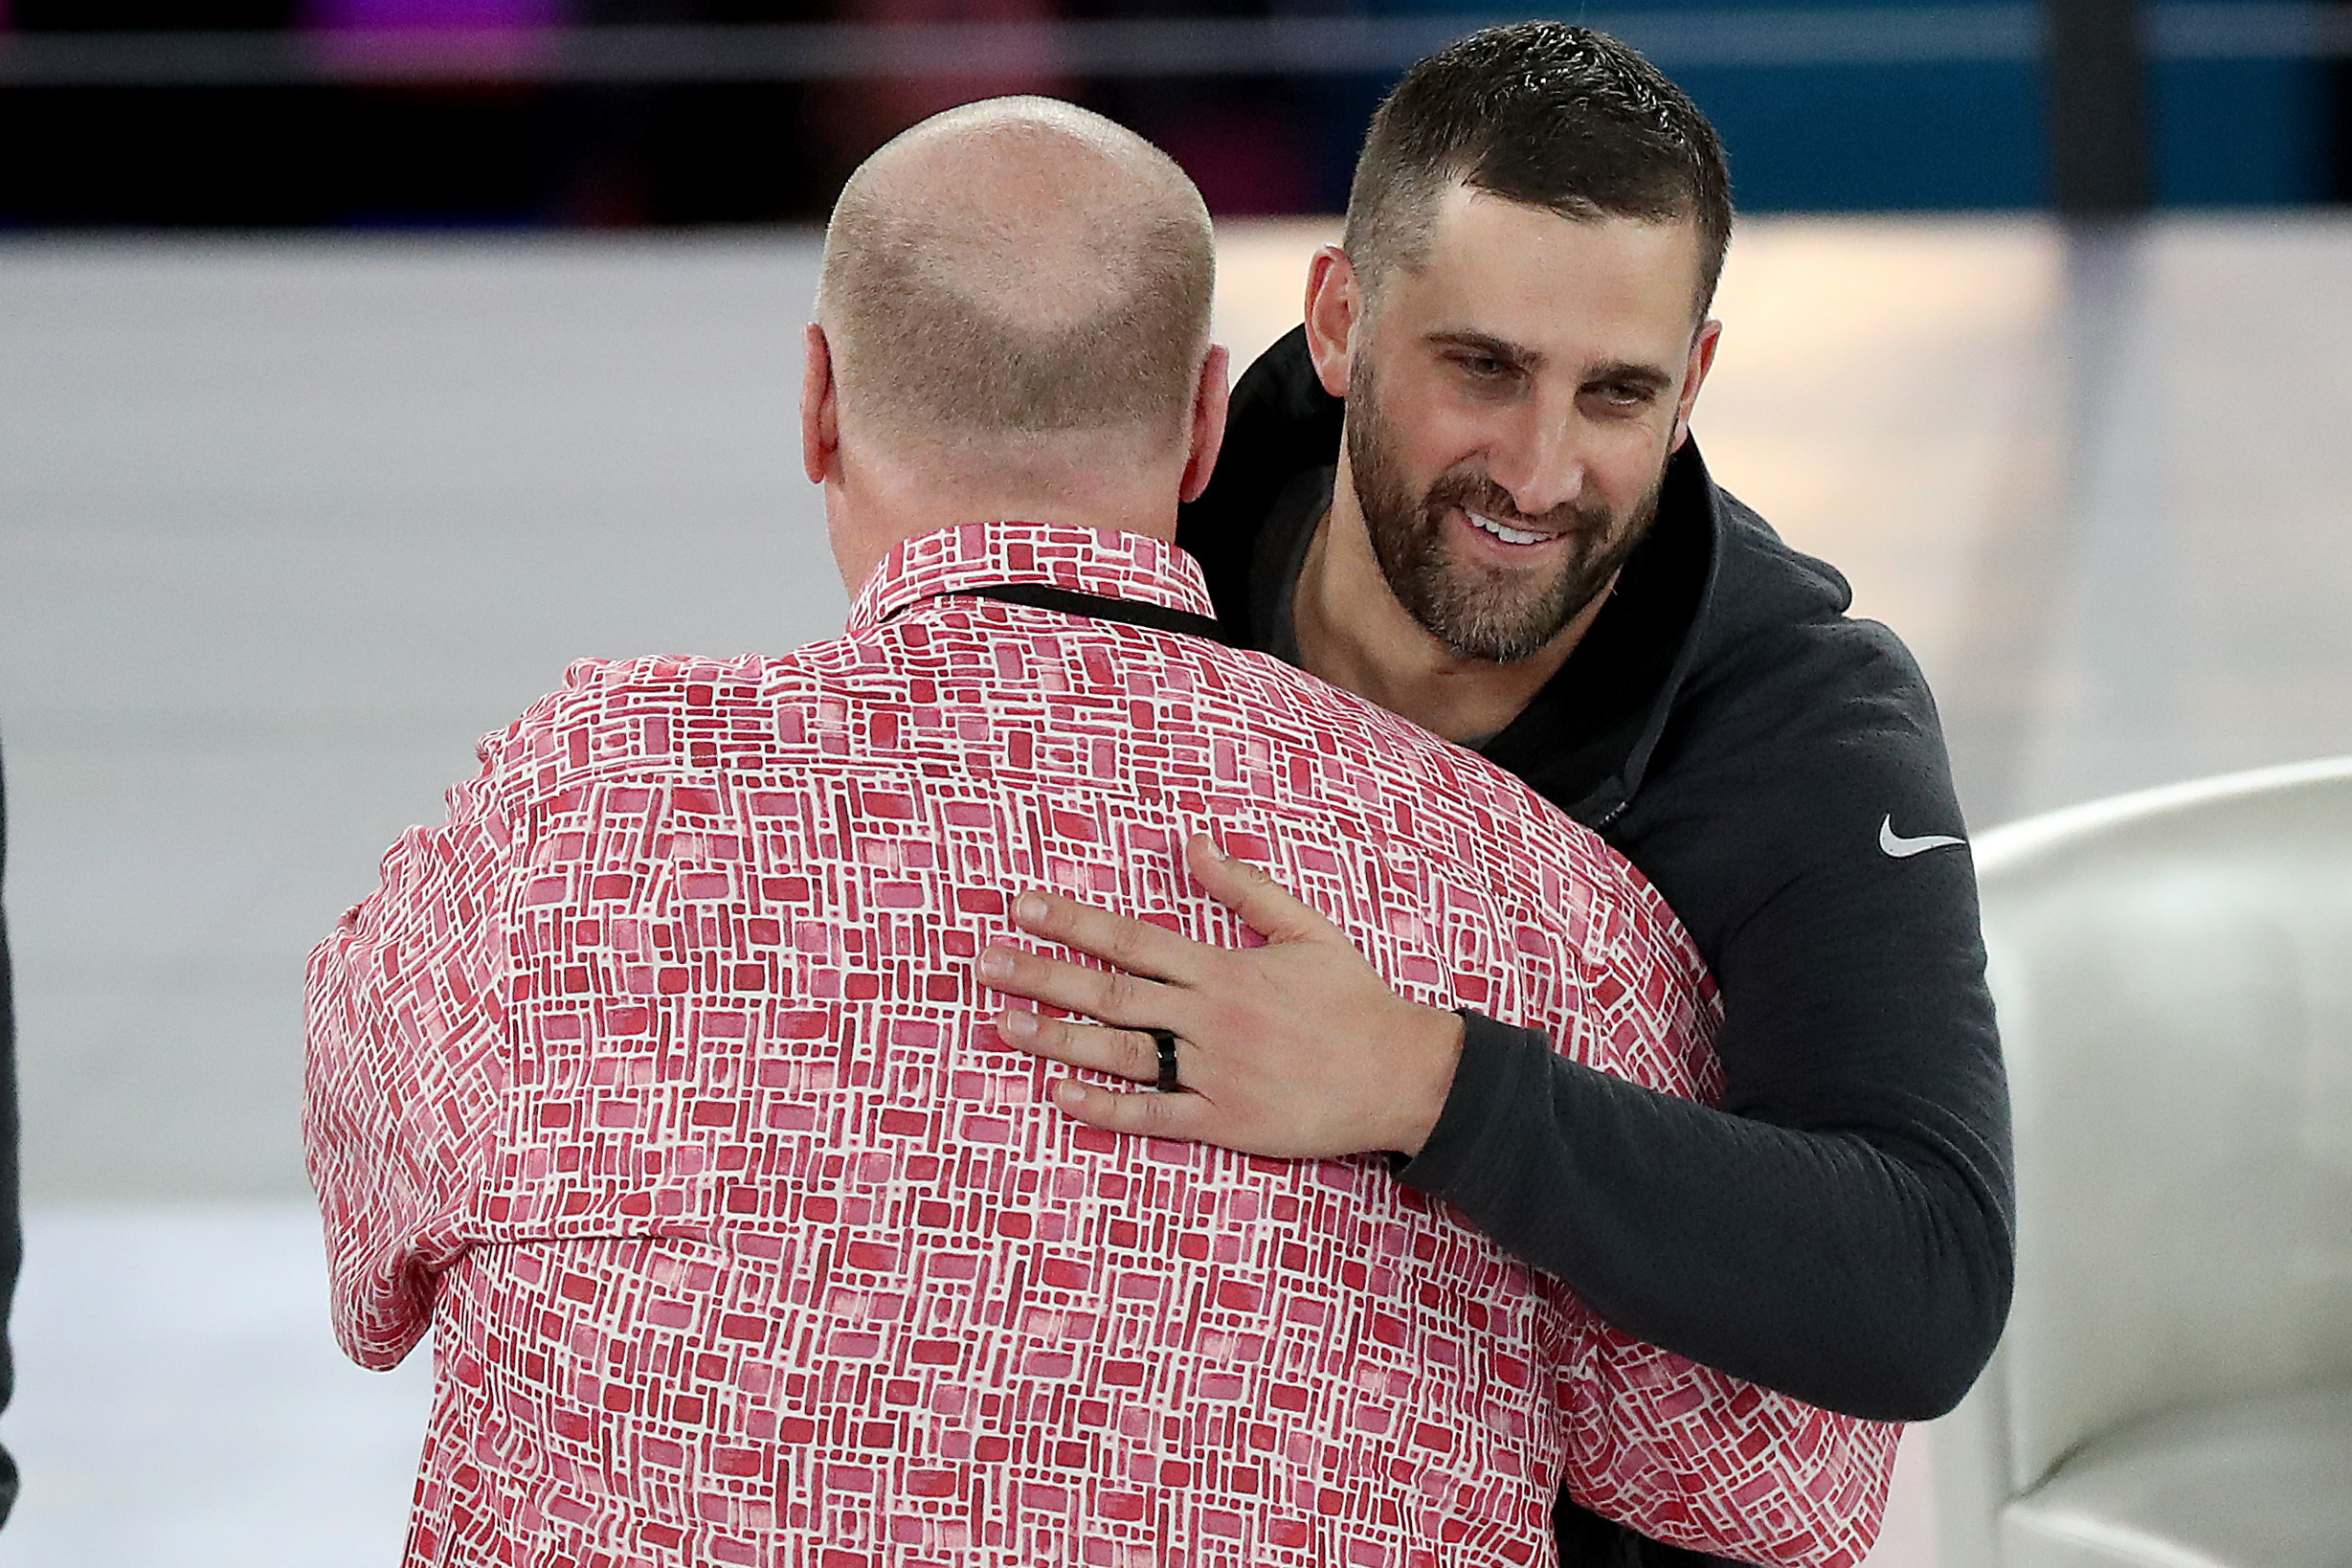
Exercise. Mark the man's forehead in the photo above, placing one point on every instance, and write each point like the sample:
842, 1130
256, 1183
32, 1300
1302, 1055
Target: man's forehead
1529, 275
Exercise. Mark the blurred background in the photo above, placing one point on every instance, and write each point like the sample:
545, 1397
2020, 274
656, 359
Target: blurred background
604, 114
363, 362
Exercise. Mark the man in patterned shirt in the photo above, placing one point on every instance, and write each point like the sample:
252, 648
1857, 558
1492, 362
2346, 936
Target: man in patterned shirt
656, 1079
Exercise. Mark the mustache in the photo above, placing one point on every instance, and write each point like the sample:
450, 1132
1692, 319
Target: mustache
1472, 491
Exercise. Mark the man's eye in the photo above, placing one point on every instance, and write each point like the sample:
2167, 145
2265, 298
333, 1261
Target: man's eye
1483, 366
1618, 394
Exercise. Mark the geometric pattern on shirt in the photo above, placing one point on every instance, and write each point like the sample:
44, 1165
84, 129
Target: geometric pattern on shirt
657, 1082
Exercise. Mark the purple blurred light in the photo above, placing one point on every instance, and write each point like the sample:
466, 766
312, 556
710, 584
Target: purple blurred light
488, 40
433, 16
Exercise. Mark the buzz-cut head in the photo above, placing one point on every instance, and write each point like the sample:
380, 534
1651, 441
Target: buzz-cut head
1017, 268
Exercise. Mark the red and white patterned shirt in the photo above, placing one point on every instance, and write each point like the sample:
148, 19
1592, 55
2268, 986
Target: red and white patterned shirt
656, 1083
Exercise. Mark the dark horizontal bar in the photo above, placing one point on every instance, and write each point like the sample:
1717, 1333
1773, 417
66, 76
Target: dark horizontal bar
1277, 45
2246, 31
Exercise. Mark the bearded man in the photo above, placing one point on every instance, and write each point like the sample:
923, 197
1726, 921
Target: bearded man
1466, 489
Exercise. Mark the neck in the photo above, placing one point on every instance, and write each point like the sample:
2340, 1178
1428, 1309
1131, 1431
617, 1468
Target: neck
871, 512
1353, 633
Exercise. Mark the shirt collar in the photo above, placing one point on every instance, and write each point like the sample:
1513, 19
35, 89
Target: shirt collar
1106, 562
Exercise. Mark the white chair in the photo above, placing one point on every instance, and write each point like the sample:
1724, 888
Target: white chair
2174, 977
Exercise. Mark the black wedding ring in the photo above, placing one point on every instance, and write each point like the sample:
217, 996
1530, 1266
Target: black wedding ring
1166, 1040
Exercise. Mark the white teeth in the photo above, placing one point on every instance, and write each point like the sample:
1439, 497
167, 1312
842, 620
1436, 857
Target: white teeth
1509, 536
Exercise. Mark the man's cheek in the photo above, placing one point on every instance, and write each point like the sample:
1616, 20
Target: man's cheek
1626, 467
1445, 453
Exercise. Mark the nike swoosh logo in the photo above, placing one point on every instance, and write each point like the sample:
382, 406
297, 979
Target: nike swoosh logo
1896, 847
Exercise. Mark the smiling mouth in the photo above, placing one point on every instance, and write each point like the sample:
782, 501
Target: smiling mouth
1508, 534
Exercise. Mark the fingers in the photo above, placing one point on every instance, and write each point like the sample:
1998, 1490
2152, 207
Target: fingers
1132, 944
1142, 1112
1122, 1053
1264, 903
1106, 995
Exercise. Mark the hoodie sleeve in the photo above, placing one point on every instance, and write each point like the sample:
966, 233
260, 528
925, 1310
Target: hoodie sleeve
1840, 1227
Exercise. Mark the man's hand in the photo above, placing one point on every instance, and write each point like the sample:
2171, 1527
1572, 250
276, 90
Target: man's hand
1296, 1049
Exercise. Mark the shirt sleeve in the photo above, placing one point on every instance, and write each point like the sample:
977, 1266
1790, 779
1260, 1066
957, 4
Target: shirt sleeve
406, 1010
1839, 1228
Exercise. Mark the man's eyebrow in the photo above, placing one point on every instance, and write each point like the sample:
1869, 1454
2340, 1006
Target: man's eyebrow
1625, 372
1516, 355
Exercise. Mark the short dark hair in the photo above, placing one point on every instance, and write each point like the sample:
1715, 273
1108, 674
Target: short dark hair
1548, 115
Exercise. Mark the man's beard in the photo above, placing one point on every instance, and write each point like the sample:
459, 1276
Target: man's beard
1478, 613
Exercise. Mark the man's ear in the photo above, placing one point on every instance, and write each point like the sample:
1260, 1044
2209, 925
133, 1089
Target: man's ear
1208, 427
820, 421
1695, 376
1334, 313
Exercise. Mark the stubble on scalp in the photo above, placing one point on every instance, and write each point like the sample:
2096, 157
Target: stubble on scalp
1017, 270
1498, 617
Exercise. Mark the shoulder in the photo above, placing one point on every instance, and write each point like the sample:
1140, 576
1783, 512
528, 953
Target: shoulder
1780, 661
1449, 804
1797, 733
656, 711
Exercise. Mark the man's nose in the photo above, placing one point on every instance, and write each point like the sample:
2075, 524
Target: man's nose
1541, 463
